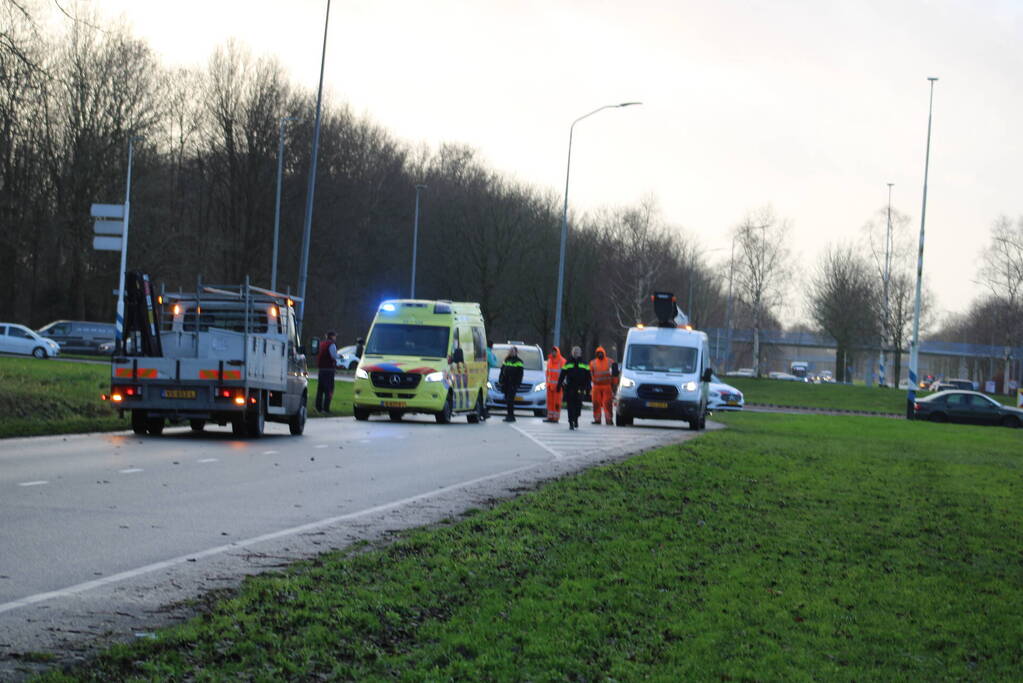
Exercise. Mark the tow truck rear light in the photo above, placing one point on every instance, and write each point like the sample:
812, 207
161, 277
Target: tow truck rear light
239, 400
122, 393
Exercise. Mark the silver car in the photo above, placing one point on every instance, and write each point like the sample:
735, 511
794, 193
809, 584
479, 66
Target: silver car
19, 339
532, 393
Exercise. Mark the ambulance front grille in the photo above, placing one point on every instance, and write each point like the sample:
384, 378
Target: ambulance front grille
395, 380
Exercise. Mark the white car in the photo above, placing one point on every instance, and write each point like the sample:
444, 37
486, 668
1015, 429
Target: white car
346, 358
723, 396
19, 339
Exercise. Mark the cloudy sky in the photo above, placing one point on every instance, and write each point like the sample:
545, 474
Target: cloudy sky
812, 106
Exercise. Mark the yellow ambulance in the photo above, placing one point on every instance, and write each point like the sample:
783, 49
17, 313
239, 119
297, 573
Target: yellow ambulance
423, 357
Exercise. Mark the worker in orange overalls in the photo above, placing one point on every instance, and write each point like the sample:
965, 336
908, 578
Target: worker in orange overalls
555, 361
602, 392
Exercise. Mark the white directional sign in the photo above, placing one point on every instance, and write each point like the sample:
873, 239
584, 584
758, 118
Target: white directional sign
108, 228
110, 211
106, 243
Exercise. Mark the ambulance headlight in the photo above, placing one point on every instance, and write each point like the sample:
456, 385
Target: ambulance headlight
689, 386
542, 386
361, 374
435, 377
627, 383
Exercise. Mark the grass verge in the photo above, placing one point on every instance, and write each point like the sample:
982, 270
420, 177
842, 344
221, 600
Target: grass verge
827, 396
786, 547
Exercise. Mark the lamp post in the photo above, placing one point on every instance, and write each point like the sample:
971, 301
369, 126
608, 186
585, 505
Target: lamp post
415, 240
886, 275
914, 348
277, 205
303, 270
728, 309
564, 218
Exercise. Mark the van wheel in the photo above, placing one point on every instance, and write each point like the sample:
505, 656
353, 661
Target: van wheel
361, 414
154, 425
477, 415
39, 352
395, 415
444, 416
296, 423
197, 425
255, 419
138, 422
622, 420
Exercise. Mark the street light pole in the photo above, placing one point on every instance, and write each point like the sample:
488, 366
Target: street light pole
886, 275
303, 270
914, 349
564, 218
277, 206
415, 240
728, 309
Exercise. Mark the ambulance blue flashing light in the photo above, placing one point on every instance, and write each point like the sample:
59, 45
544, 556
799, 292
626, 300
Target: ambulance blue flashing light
390, 308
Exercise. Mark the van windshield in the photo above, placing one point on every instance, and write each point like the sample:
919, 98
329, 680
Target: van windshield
389, 339
661, 358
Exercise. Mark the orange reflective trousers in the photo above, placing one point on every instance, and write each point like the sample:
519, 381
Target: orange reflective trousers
554, 396
602, 393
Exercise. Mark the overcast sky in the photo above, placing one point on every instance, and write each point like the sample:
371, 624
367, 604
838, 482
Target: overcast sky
810, 105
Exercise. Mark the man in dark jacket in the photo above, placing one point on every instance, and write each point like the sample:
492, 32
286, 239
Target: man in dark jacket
326, 363
510, 379
575, 382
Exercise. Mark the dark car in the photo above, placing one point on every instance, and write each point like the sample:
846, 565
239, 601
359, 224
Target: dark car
80, 336
966, 407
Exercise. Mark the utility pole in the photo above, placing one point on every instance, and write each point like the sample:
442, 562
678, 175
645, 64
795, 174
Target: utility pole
886, 275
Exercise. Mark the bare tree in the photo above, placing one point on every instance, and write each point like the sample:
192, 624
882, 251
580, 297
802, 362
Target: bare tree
1002, 273
762, 270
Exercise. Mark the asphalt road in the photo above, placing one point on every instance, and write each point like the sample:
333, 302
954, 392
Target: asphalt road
99, 533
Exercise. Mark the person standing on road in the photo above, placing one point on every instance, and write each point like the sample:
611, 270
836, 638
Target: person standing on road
601, 374
491, 356
360, 346
575, 382
326, 363
510, 379
555, 361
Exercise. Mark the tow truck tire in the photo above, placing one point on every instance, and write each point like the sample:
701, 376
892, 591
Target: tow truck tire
255, 419
361, 414
39, 352
238, 425
296, 424
138, 422
154, 425
477, 415
197, 425
444, 416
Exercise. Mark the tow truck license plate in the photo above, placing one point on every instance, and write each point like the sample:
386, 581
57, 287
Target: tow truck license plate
393, 404
178, 393
656, 404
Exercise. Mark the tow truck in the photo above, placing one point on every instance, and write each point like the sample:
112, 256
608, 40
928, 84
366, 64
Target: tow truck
224, 354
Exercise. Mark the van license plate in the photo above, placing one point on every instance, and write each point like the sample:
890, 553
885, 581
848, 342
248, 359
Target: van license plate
178, 393
656, 404
393, 404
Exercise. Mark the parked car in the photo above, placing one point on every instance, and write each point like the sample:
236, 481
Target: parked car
80, 336
966, 407
723, 396
19, 339
532, 393
945, 384
741, 372
788, 377
346, 358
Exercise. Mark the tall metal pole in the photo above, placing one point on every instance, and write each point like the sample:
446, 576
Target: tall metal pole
728, 309
303, 270
277, 207
886, 275
914, 348
564, 219
119, 328
415, 240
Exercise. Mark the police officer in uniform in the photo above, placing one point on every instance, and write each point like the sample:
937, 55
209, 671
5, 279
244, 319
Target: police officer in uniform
510, 379
575, 382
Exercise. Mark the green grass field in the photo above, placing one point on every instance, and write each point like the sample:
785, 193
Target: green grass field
50, 397
827, 396
783, 548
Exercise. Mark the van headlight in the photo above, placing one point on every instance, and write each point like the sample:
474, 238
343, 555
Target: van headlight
627, 383
361, 374
689, 386
542, 386
435, 377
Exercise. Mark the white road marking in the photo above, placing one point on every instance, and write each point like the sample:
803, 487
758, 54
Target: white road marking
34, 483
191, 557
541, 444
204, 460
270, 452
320, 445
130, 470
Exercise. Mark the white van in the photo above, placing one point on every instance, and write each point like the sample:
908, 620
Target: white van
665, 373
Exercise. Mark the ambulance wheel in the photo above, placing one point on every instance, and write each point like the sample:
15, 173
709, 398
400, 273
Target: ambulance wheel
197, 425
477, 415
138, 422
296, 423
395, 415
444, 416
539, 413
361, 414
255, 420
154, 425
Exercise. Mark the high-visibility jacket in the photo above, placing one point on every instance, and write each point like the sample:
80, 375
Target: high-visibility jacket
600, 369
555, 361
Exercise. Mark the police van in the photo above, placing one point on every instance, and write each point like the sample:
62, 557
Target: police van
423, 357
665, 370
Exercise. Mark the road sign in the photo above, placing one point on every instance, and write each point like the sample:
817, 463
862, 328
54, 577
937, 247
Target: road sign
106, 243
102, 227
108, 211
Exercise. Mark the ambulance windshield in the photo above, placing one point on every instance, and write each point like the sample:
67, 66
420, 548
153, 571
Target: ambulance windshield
661, 358
390, 339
